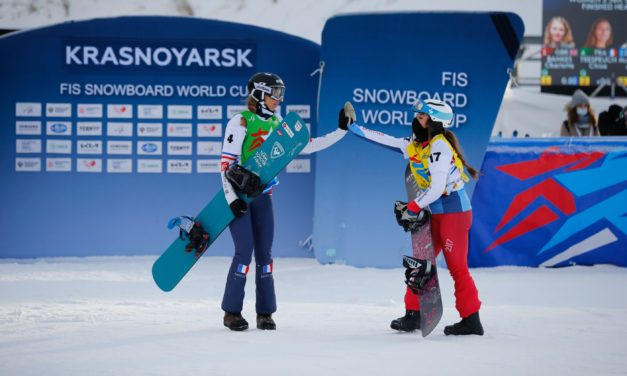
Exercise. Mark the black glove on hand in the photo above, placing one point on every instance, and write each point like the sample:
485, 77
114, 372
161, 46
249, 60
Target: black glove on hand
407, 220
347, 116
244, 181
238, 207
399, 206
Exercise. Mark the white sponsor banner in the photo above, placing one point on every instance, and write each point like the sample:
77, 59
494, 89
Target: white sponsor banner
209, 148
28, 146
204, 166
59, 164
179, 112
89, 147
32, 128
89, 128
119, 165
299, 165
149, 147
58, 109
89, 110
59, 128
209, 112
303, 110
149, 129
88, 165
179, 130
120, 111
209, 130
154, 166
28, 109
288, 130
59, 146
28, 164
119, 147
234, 110
181, 166
120, 129
180, 147
150, 111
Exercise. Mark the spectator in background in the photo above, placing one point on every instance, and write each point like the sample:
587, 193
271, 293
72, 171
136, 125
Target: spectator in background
612, 121
581, 120
600, 35
558, 34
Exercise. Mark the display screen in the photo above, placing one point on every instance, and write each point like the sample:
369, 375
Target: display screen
584, 44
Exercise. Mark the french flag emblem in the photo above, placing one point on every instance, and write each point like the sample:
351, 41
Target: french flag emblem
242, 269
267, 269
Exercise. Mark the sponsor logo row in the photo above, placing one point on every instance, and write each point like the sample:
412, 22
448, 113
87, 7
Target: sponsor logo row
117, 129
116, 165
143, 111
35, 146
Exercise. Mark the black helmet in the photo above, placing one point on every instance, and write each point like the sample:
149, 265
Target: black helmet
268, 83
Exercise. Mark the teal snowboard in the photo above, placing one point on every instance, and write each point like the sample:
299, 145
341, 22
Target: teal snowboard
281, 146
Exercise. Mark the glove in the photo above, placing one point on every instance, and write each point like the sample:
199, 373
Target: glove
408, 219
238, 207
418, 273
347, 116
244, 181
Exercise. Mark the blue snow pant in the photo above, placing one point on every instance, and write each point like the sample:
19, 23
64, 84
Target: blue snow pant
253, 230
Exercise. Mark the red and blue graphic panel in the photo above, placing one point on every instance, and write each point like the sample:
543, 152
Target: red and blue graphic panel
551, 202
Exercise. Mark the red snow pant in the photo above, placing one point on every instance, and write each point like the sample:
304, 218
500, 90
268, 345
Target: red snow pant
450, 232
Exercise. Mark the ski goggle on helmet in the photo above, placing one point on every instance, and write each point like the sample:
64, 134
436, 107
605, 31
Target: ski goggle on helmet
268, 83
436, 109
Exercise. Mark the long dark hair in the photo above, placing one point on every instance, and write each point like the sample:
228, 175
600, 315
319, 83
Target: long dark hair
452, 139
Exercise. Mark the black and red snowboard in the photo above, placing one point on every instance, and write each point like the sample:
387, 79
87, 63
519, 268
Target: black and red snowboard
422, 245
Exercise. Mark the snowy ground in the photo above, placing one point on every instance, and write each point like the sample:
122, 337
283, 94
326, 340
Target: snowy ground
105, 316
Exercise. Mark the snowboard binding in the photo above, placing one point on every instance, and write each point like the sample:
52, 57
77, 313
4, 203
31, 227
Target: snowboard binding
418, 273
191, 230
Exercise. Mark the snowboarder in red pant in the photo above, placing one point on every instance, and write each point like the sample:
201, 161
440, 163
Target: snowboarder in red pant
438, 167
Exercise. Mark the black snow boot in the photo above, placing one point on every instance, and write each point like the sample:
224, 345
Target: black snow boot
407, 323
265, 322
235, 321
468, 325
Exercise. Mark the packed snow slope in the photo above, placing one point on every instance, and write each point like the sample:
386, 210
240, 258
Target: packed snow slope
105, 316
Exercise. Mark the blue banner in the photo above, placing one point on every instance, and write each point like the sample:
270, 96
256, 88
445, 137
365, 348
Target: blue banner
382, 63
551, 202
113, 126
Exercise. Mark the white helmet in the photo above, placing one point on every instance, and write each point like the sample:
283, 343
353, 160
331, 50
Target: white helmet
436, 109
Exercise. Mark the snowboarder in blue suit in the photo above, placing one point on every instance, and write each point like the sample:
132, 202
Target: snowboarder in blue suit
253, 227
